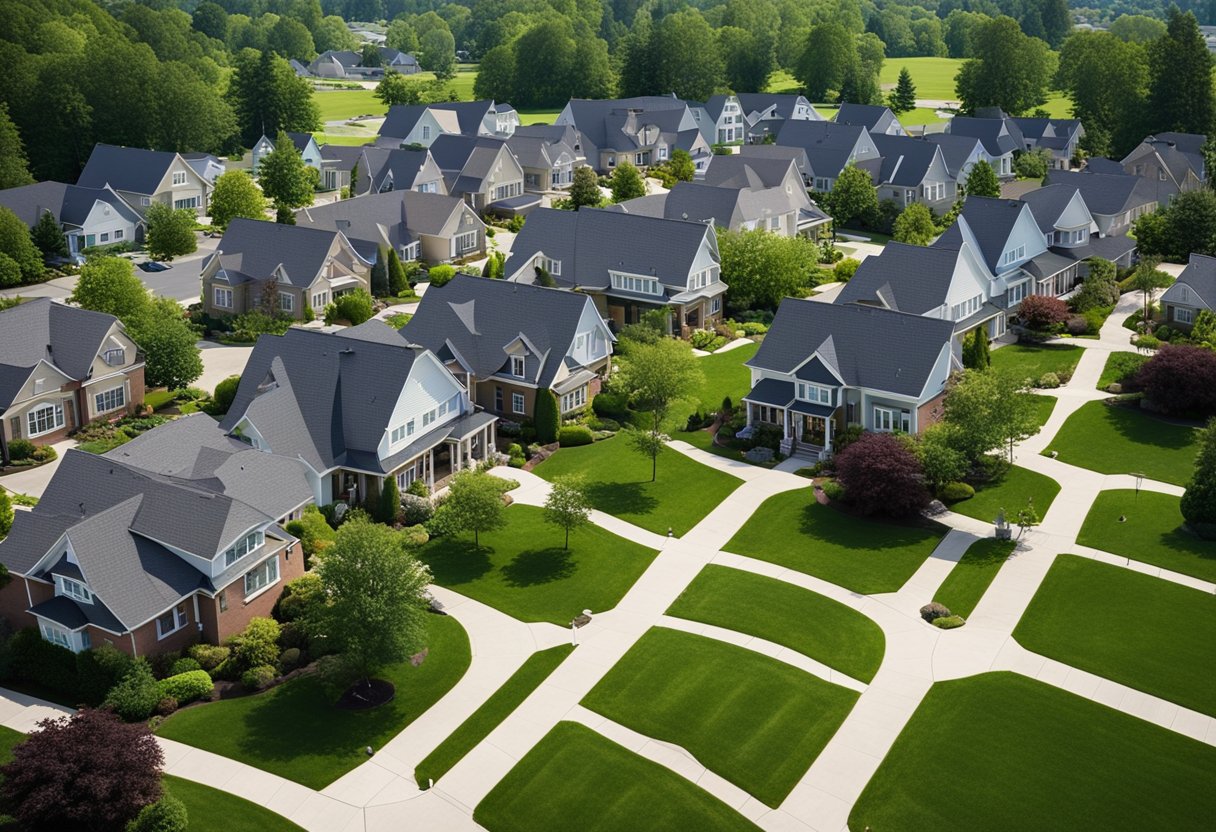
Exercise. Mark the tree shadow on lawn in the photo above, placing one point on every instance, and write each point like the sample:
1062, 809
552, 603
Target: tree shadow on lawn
621, 498
1185, 542
455, 560
1143, 428
539, 566
302, 719
853, 531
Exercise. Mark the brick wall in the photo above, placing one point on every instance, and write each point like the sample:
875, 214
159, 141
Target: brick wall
930, 413
221, 624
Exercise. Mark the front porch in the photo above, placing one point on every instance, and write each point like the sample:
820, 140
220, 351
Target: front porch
806, 428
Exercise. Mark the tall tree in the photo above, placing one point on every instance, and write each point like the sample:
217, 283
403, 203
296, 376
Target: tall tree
990, 410
235, 195
828, 57
1107, 80
585, 189
761, 268
1180, 83
982, 181
267, 97
655, 377
637, 58
16, 243
285, 178
686, 60
1010, 70
47, 235
496, 74
109, 285
915, 226
903, 97
395, 88
1199, 500
170, 231
747, 59
170, 346
14, 168
853, 198
438, 53
626, 182
567, 505
379, 274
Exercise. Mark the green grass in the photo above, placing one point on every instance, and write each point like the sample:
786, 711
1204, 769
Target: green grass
970, 577
933, 77
1001, 751
538, 116
295, 731
1152, 532
1043, 407
575, 778
346, 104
1136, 629
1124, 440
523, 570
1032, 361
492, 712
156, 399
1120, 367
725, 376
335, 138
1010, 493
864, 555
756, 721
804, 621
618, 482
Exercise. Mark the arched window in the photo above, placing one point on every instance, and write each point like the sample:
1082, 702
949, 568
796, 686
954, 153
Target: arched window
45, 418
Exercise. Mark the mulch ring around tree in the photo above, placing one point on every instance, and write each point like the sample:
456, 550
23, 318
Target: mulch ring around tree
367, 694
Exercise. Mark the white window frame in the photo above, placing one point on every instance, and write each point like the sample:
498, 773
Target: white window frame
1017, 293
1184, 315
111, 399
320, 299
179, 177
884, 419
74, 589
249, 543
518, 367
145, 201
115, 356
287, 302
188, 202
407, 476
33, 418
429, 417
553, 267
574, 399
517, 403
635, 283
465, 241
57, 635
814, 393
221, 298
179, 618
270, 567
397, 435
715, 305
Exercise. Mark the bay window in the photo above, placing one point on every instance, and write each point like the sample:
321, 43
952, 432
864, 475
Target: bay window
44, 418
262, 576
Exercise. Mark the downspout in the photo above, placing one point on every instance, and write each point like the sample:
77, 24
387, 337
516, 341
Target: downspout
134, 649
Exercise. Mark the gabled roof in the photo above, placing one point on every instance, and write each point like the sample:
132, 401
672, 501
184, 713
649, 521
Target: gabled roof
1200, 276
602, 121
404, 165
1035, 129
873, 117
256, 249
905, 160
906, 278
782, 103
997, 134
392, 219
1179, 152
768, 151
801, 328
828, 145
324, 398
565, 133
589, 244
538, 151
1110, 194
482, 317
724, 206
345, 155
300, 140
991, 222
66, 337
469, 114
131, 169
750, 171
30, 202
956, 149
1048, 204
466, 161
401, 119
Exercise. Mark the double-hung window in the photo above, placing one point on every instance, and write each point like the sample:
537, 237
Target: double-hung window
262, 575
172, 621
179, 177
517, 366
574, 400
44, 418
884, 419
111, 399
397, 435
517, 402
222, 298
1183, 315
429, 417
553, 267
319, 299
814, 393
76, 590
466, 242
1017, 293
287, 301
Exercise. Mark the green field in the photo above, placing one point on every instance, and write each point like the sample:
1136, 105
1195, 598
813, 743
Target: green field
972, 575
785, 614
575, 778
1000, 751
1151, 532
1125, 440
1092, 615
758, 722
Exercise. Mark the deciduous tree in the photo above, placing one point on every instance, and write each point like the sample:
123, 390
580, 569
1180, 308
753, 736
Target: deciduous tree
15, 242
989, 409
437, 53
109, 285
626, 183
14, 167
829, 55
981, 181
762, 268
394, 88
1180, 77
285, 178
567, 506
1181, 380
1199, 499
655, 377
881, 474
235, 195
853, 199
170, 346
1011, 70
170, 231
915, 225
473, 504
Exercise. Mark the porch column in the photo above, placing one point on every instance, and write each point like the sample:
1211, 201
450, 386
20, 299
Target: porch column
456, 457
827, 433
490, 443
785, 421
430, 469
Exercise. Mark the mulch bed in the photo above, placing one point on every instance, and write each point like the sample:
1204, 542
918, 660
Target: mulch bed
363, 695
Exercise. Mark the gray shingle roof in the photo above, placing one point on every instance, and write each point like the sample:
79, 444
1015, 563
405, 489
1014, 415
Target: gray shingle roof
801, 328
912, 279
1200, 276
321, 396
401, 119
130, 169
991, 221
469, 114
905, 160
828, 145
996, 134
1034, 128
956, 149
601, 120
254, 249
723, 206
69, 204
300, 140
739, 170
1110, 194
758, 102
481, 317
344, 155
466, 161
392, 219
404, 165
66, 337
1048, 203
870, 116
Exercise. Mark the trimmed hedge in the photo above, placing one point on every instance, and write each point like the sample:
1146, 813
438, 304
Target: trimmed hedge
954, 492
187, 687
572, 436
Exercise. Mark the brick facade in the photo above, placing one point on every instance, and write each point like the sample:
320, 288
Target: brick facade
930, 413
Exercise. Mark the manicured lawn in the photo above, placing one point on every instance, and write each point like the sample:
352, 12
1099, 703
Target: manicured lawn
1151, 532
1120, 367
1141, 631
815, 626
538, 116
970, 577
1032, 361
338, 138
345, 104
933, 77
575, 778
493, 711
295, 731
523, 570
1002, 751
756, 721
863, 555
1043, 407
618, 482
156, 399
1010, 493
725, 375
1123, 440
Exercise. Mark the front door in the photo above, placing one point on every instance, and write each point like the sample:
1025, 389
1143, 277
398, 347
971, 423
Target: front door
814, 431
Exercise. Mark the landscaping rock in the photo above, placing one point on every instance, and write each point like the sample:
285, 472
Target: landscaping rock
933, 611
759, 454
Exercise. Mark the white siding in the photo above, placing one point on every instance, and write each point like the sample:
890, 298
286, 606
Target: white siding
596, 344
105, 219
429, 384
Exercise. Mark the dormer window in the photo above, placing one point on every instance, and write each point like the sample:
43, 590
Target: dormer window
243, 547
115, 357
1013, 255
814, 393
74, 589
517, 366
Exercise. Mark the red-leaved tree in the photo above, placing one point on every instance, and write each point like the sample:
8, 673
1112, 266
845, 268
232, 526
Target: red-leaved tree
1042, 312
89, 771
882, 475
1181, 380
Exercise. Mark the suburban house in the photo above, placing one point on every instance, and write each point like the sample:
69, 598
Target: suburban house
1000, 136
206, 165
506, 340
171, 539
421, 124
1070, 228
418, 226
830, 148
358, 407
629, 264
961, 153
380, 169
817, 372
643, 130
142, 177
877, 119
764, 113
342, 63
338, 163
1176, 158
482, 171
62, 367
736, 207
279, 269
914, 170
481, 118
88, 216
720, 119
1115, 200
770, 151
548, 153
1058, 136
331, 173
1193, 292
771, 175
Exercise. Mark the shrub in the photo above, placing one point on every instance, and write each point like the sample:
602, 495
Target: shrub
933, 611
289, 659
313, 532
165, 815
354, 307
1048, 381
1146, 342
753, 328
949, 622
882, 475
34, 659
135, 696
1100, 288
98, 670
166, 706
440, 275
1042, 313
572, 436
612, 405
298, 598
1181, 380
1095, 318
184, 665
388, 507
1199, 500
954, 492
547, 417
847, 437
833, 490
258, 678
225, 392
187, 687
416, 510
21, 449
1076, 325
208, 656
419, 489
845, 269
257, 645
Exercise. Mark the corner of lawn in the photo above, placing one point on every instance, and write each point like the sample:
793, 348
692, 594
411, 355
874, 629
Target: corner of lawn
1152, 531
1118, 439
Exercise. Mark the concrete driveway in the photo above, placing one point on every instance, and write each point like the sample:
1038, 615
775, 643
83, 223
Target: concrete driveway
35, 481
219, 362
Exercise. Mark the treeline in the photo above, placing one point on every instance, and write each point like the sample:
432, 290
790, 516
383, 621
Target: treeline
1107, 11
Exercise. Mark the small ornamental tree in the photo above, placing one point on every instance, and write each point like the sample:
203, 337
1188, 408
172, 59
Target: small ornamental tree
680, 165
981, 181
170, 231
1031, 164
1180, 380
976, 355
398, 281
881, 474
853, 198
390, 501
567, 506
915, 226
474, 504
1147, 279
88, 771
655, 377
1199, 500
109, 285
47, 235
1100, 289
988, 410
546, 418
285, 178
379, 276
1042, 312
353, 307
626, 183
585, 189
940, 460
